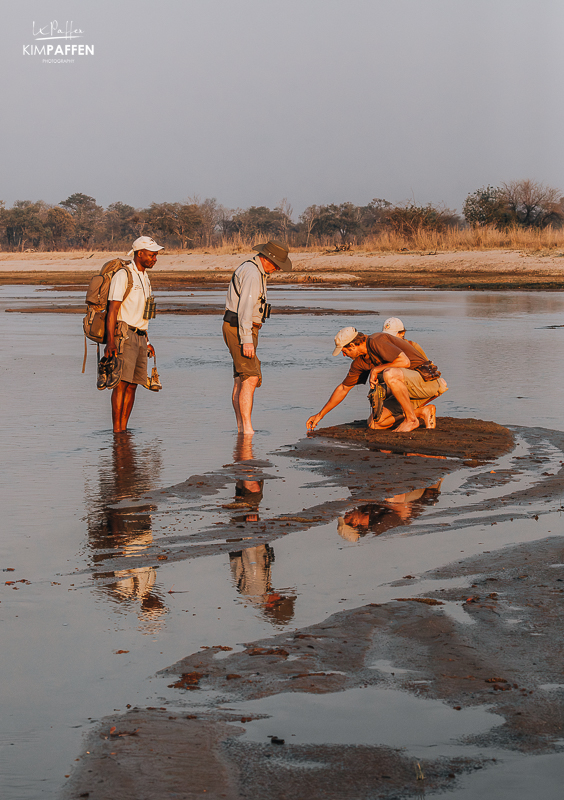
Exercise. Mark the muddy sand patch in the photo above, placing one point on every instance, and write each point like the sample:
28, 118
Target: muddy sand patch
455, 438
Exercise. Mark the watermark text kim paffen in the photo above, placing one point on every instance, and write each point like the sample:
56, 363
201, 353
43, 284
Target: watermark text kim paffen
54, 31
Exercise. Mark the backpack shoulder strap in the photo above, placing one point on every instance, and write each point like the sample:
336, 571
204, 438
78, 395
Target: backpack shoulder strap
129, 279
235, 289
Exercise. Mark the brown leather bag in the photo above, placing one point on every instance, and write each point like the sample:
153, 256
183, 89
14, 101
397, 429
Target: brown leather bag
428, 371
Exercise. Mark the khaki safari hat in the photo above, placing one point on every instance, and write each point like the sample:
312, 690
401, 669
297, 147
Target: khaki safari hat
343, 338
276, 253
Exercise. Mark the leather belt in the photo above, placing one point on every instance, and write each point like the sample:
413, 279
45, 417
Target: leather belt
138, 331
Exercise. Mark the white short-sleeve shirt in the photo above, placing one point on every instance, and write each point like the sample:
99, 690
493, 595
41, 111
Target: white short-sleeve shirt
132, 308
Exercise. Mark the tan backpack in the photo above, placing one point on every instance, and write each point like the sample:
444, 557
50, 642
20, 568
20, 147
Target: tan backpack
94, 322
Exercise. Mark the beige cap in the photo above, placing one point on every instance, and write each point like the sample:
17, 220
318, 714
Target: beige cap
393, 325
343, 338
145, 243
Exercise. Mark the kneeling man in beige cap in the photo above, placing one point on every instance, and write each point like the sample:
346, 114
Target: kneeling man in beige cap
397, 361
245, 311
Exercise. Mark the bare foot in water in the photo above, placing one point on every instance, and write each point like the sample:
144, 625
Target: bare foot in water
407, 426
429, 416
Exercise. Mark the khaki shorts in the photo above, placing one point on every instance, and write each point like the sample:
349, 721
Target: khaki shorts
132, 358
419, 391
242, 367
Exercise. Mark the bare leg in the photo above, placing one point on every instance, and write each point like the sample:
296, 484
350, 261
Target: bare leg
428, 413
386, 420
123, 397
394, 379
235, 400
243, 403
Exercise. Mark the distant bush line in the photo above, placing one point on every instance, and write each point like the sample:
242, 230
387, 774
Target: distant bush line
519, 214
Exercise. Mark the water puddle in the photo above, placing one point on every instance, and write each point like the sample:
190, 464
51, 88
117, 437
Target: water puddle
369, 716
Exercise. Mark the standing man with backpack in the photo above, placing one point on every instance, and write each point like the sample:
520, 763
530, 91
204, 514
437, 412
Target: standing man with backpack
246, 310
127, 322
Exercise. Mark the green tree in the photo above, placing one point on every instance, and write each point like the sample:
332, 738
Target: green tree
410, 219
260, 222
488, 206
121, 222
87, 216
24, 224
326, 221
373, 216
61, 224
179, 220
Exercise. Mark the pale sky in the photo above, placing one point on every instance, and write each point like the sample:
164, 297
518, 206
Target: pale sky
251, 101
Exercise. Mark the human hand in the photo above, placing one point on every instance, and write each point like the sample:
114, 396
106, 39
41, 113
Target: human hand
150, 351
313, 421
248, 350
111, 350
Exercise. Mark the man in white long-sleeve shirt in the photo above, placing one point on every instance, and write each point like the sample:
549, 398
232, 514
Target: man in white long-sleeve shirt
245, 311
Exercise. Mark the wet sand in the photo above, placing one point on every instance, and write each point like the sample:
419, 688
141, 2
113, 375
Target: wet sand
473, 439
477, 270
480, 638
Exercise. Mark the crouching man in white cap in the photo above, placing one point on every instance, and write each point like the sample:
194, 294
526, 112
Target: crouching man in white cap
403, 397
127, 322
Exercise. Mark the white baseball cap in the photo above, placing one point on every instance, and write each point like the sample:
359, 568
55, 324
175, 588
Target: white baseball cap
343, 338
393, 325
145, 243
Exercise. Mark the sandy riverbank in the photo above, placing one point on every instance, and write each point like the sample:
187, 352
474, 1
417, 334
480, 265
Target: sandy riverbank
491, 269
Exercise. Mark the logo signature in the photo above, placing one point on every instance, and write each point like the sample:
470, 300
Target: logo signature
53, 31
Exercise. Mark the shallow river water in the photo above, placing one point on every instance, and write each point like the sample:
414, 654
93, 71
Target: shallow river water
62, 632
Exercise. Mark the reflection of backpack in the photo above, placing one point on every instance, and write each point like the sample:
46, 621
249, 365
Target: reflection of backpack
94, 322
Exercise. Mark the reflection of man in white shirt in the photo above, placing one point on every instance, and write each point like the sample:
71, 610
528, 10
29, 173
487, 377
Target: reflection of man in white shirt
127, 322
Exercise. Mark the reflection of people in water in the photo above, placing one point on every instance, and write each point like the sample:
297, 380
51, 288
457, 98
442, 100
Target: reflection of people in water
251, 567
251, 570
128, 533
248, 493
377, 518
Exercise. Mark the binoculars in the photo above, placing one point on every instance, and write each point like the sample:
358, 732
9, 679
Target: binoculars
264, 310
150, 311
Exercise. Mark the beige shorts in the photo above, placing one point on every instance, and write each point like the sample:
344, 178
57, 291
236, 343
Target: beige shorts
132, 358
419, 391
242, 367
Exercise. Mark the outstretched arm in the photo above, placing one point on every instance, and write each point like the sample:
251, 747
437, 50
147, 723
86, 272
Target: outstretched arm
337, 397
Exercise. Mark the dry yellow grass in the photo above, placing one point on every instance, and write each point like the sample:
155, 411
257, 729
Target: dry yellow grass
530, 239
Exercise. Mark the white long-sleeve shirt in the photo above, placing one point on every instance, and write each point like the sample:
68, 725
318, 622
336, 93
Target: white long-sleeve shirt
250, 282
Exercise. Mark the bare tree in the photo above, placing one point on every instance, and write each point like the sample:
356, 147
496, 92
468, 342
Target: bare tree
533, 203
286, 211
308, 219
